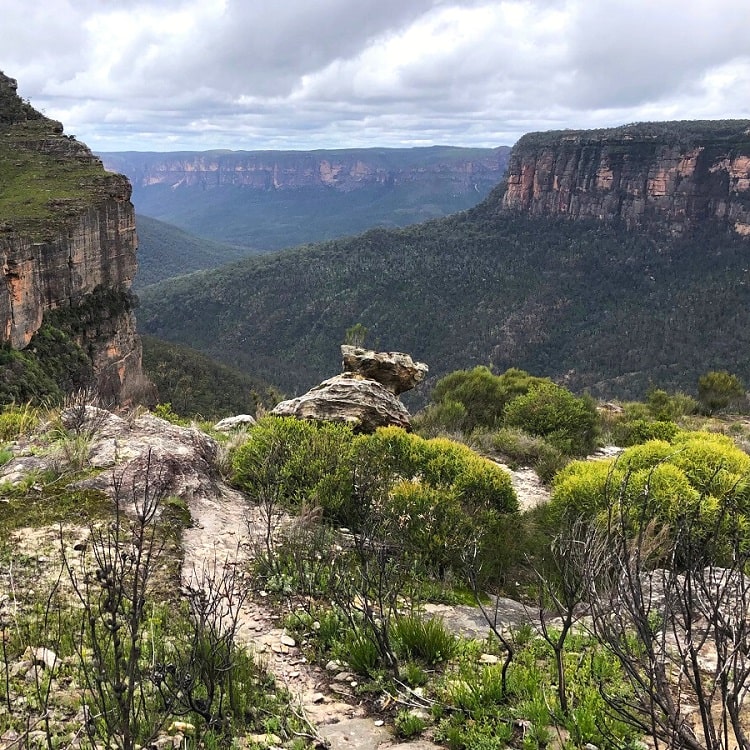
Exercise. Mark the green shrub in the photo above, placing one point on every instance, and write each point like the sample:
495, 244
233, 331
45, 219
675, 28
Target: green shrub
718, 389
292, 461
360, 652
665, 407
688, 483
428, 640
522, 449
17, 420
482, 395
626, 433
570, 423
408, 724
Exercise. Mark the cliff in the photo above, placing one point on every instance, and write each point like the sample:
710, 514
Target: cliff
672, 174
67, 245
343, 169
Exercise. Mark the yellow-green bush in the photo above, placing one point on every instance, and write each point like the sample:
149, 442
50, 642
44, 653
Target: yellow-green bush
686, 484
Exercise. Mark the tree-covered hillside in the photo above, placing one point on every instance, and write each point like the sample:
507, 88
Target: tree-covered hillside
587, 304
165, 251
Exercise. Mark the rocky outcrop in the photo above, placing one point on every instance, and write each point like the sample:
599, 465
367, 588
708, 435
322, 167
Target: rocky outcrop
130, 454
342, 170
396, 371
72, 234
364, 396
669, 174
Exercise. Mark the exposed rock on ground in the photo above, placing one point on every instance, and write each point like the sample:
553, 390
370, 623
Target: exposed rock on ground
182, 460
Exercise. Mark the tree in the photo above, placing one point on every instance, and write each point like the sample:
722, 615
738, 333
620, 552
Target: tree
717, 389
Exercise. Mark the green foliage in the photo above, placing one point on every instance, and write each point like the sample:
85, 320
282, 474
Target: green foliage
17, 420
552, 412
194, 384
428, 640
568, 299
666, 407
685, 483
631, 432
408, 724
356, 335
523, 449
482, 395
718, 389
164, 411
296, 461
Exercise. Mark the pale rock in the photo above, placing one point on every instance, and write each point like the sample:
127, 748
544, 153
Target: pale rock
397, 371
234, 423
350, 399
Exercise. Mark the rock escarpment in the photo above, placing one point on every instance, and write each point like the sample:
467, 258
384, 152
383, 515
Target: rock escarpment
342, 169
364, 395
672, 174
67, 242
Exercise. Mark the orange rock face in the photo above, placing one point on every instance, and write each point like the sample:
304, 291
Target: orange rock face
76, 248
635, 176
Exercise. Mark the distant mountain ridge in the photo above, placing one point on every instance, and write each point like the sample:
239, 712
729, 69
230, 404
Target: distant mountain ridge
267, 200
588, 302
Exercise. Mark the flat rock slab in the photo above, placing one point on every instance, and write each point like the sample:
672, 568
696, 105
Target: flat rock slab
469, 622
356, 734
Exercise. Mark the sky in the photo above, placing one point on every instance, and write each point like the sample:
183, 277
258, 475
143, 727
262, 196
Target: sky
167, 75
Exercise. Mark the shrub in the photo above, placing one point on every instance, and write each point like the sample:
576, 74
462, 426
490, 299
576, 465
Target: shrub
718, 389
523, 449
428, 640
568, 422
482, 395
408, 724
17, 420
626, 433
296, 461
686, 484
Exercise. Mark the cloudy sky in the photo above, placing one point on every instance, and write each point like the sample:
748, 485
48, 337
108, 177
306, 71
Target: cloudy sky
302, 74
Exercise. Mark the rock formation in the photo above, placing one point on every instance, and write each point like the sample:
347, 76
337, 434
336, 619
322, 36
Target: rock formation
67, 231
180, 461
364, 395
673, 174
343, 170
396, 371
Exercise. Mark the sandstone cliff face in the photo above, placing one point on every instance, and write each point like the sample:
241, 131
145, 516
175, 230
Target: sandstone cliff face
343, 170
670, 174
71, 232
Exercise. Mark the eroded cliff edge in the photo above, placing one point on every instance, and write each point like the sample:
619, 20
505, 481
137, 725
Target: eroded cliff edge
67, 245
672, 174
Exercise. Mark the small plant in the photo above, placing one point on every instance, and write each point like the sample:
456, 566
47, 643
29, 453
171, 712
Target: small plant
17, 420
428, 640
413, 674
409, 724
360, 652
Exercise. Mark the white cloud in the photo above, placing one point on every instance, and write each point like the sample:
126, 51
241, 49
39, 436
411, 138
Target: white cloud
199, 74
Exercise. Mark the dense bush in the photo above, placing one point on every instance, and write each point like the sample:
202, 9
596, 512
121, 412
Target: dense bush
521, 449
568, 422
290, 461
718, 389
688, 485
482, 396
631, 432
437, 495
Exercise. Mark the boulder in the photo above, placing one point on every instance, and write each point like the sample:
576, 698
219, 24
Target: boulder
234, 423
349, 398
397, 371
